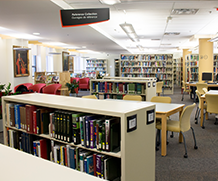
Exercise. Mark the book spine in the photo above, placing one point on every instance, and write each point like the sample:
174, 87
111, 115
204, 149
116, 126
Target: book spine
81, 162
87, 125
98, 166
94, 164
107, 134
91, 134
51, 116
64, 127
34, 123
38, 126
69, 133
76, 130
82, 134
103, 136
56, 124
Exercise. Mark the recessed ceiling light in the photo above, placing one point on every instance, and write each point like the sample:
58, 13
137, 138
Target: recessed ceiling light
37, 34
110, 2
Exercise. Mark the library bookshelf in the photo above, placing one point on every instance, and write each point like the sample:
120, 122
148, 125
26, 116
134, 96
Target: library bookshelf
192, 67
137, 157
178, 72
215, 67
93, 65
117, 87
149, 65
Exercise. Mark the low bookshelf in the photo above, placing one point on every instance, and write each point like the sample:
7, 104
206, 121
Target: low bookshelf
134, 121
117, 87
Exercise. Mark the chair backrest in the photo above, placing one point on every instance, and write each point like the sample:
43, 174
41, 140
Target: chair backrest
90, 97
64, 77
199, 98
185, 118
51, 89
200, 86
205, 90
184, 86
212, 103
161, 99
37, 87
159, 86
25, 84
132, 97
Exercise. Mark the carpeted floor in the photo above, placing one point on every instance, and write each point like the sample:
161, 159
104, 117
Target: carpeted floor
201, 164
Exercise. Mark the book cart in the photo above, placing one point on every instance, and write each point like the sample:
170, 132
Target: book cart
149, 65
117, 87
137, 129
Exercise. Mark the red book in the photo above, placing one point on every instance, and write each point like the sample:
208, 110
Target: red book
105, 87
110, 87
34, 122
43, 148
65, 156
94, 163
29, 117
120, 88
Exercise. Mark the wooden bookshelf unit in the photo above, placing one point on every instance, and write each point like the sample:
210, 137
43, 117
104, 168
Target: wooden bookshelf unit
117, 87
137, 129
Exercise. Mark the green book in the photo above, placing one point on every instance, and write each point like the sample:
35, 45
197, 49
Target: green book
76, 127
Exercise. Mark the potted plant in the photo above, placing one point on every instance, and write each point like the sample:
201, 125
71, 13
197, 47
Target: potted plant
72, 86
4, 91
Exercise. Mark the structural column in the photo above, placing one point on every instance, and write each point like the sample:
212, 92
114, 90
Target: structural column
205, 57
185, 52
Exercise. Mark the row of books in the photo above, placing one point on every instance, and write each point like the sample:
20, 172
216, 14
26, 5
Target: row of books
91, 131
119, 87
95, 65
95, 61
99, 165
167, 82
95, 68
194, 70
145, 57
115, 96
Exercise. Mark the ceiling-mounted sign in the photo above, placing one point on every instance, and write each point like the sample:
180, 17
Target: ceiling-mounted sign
81, 17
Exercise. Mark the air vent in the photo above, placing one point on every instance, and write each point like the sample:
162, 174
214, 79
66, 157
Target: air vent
184, 11
171, 33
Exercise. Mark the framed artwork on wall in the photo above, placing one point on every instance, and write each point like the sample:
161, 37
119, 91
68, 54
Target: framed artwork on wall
21, 62
65, 61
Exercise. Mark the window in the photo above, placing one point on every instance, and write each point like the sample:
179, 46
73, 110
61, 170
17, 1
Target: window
49, 63
34, 65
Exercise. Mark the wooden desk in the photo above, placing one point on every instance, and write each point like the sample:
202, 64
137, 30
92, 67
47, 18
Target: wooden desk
202, 99
163, 110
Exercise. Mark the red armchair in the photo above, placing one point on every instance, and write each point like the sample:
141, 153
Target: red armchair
37, 87
25, 84
52, 89
84, 83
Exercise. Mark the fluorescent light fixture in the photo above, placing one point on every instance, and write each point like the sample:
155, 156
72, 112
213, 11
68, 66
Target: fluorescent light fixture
54, 53
129, 30
37, 34
110, 2
213, 39
21, 49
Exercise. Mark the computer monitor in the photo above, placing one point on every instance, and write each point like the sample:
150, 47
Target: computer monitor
207, 76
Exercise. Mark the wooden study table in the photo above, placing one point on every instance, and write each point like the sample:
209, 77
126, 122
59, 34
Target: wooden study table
202, 99
163, 110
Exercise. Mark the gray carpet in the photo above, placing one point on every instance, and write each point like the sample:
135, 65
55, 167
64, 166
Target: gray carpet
201, 164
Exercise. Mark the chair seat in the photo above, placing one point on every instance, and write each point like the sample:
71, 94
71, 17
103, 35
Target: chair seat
172, 125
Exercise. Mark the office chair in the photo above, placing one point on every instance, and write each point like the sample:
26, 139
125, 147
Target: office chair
90, 97
212, 102
199, 107
182, 125
132, 97
200, 87
184, 87
159, 86
205, 90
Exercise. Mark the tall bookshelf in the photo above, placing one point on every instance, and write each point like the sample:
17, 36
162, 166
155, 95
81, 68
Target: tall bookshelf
117, 87
192, 67
178, 72
149, 65
215, 67
174, 71
93, 65
117, 67
137, 159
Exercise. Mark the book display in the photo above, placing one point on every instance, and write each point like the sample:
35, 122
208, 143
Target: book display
117, 87
149, 65
192, 64
46, 77
93, 65
96, 137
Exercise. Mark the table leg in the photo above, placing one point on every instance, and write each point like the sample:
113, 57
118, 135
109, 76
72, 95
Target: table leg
206, 115
180, 134
202, 111
163, 135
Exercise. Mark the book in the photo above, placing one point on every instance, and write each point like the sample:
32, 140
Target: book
12, 118
112, 168
44, 149
98, 165
29, 117
82, 130
17, 115
71, 156
52, 124
45, 122
76, 127
115, 137
56, 119
64, 126
108, 123
8, 113
94, 163
38, 123
99, 133
34, 123
92, 134
57, 154
90, 165
69, 130
82, 156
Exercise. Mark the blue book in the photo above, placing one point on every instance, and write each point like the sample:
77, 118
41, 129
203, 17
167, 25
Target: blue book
90, 165
71, 158
85, 165
93, 86
17, 115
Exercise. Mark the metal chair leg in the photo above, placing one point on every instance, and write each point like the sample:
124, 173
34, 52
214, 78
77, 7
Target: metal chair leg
157, 139
195, 147
185, 156
197, 115
183, 95
171, 136
203, 121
